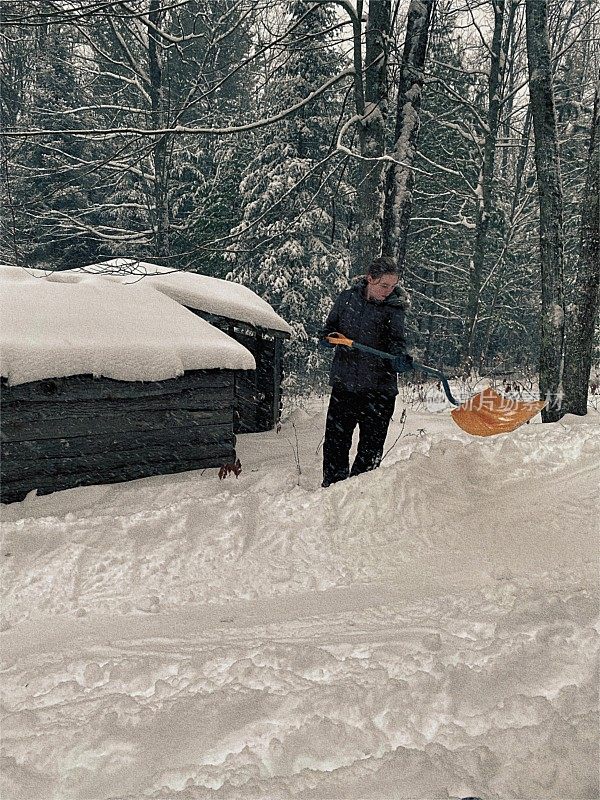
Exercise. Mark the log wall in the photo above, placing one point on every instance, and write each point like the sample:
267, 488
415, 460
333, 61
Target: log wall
67, 432
258, 394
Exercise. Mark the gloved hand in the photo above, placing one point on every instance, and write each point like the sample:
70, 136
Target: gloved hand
325, 342
403, 363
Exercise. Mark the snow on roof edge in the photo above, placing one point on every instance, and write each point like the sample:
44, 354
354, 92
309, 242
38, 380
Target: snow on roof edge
96, 326
193, 289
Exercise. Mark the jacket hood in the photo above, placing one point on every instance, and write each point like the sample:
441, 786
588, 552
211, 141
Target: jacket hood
398, 297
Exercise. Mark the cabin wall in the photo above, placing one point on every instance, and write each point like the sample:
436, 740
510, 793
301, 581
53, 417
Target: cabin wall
66, 432
258, 393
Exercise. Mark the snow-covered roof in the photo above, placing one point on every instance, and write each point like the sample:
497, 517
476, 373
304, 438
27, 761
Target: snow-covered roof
201, 292
52, 329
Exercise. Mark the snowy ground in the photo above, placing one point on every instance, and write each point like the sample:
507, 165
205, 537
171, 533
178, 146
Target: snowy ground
429, 630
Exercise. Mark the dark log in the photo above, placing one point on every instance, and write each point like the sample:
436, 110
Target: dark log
72, 422
258, 397
277, 381
258, 394
87, 387
108, 462
81, 430
56, 407
234, 326
105, 443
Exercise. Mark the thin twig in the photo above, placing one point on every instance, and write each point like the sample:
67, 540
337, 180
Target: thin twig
403, 424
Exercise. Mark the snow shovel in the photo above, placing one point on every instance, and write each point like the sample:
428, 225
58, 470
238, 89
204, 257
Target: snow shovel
485, 414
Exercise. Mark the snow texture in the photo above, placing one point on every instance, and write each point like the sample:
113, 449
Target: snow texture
99, 327
428, 630
211, 295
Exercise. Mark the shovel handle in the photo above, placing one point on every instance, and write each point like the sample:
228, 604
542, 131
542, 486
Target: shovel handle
435, 373
338, 338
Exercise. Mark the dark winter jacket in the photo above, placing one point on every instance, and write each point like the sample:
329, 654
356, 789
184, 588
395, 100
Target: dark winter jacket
375, 324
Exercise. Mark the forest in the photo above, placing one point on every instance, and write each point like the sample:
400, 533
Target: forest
286, 143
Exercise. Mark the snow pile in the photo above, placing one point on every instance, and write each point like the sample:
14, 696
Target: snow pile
97, 326
202, 292
429, 630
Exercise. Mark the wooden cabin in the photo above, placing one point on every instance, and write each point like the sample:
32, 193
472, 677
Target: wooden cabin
92, 390
258, 394
237, 311
78, 430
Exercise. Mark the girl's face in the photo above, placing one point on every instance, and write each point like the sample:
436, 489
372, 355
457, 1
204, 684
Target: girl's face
380, 288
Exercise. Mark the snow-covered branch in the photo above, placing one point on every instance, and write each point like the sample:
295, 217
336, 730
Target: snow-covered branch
182, 129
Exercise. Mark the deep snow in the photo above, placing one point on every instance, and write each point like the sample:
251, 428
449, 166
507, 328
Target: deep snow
429, 630
191, 289
97, 326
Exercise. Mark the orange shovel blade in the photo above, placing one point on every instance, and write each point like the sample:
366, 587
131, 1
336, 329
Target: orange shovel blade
489, 413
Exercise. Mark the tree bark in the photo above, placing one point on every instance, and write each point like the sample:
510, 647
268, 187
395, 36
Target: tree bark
582, 311
400, 176
550, 197
372, 106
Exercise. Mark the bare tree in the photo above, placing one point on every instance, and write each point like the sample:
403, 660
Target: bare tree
163, 88
550, 197
371, 101
582, 311
468, 199
400, 175
129, 134
485, 188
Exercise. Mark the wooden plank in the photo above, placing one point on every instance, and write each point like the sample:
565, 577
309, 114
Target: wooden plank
245, 404
83, 445
266, 377
277, 401
192, 400
88, 387
35, 426
103, 463
14, 491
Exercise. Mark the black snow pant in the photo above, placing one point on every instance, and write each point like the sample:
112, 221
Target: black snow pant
372, 413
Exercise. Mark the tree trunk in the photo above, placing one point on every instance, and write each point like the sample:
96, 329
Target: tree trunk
550, 196
400, 176
485, 188
160, 148
582, 311
372, 107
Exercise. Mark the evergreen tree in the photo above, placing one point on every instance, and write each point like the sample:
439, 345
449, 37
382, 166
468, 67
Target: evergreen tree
439, 240
205, 195
290, 247
39, 187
